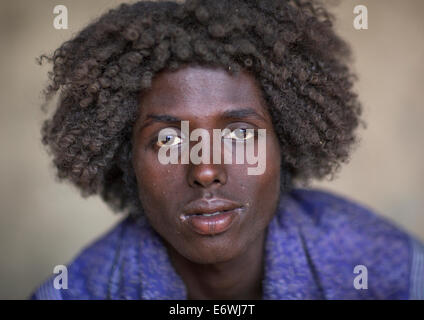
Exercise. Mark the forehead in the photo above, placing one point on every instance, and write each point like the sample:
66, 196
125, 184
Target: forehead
201, 91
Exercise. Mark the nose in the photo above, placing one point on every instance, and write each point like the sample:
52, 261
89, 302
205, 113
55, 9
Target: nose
206, 175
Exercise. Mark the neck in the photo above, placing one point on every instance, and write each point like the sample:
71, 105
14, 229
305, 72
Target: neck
239, 278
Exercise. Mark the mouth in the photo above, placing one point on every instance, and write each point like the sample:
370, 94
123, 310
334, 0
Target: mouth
211, 217
209, 214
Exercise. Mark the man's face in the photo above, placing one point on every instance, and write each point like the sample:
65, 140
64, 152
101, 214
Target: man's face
208, 213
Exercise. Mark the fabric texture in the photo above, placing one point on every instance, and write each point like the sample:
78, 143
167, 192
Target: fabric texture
313, 244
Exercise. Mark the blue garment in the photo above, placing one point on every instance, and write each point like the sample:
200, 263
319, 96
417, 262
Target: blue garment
313, 244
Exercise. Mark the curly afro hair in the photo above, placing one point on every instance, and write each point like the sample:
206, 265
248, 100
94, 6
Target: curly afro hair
289, 46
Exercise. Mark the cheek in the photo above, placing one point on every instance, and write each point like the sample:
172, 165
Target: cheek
269, 180
152, 179
266, 187
146, 171
159, 187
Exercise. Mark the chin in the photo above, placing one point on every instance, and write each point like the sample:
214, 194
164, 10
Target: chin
211, 253
211, 259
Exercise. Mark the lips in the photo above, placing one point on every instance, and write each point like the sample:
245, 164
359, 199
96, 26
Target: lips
211, 216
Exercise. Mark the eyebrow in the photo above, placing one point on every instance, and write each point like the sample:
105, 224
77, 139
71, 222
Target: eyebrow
242, 113
154, 118
228, 114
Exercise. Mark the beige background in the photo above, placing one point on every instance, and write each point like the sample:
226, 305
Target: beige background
43, 223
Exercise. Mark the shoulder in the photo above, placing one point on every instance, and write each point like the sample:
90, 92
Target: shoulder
328, 210
88, 273
342, 234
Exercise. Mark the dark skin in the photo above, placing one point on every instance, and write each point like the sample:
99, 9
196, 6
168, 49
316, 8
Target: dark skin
228, 265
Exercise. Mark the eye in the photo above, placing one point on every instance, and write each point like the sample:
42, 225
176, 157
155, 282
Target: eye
168, 140
240, 134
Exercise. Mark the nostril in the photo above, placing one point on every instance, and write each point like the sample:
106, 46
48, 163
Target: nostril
200, 184
206, 175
